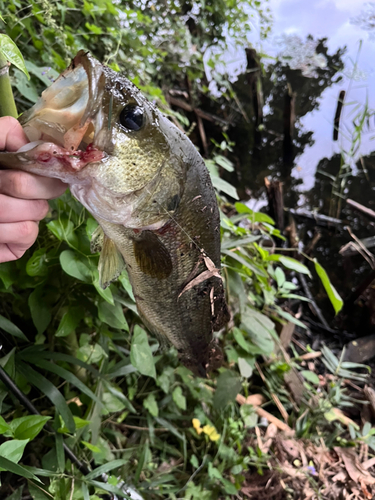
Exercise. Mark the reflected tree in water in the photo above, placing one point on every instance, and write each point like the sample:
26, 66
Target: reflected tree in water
269, 144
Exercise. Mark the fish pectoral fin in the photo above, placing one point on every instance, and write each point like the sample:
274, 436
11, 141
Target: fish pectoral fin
152, 256
111, 263
97, 240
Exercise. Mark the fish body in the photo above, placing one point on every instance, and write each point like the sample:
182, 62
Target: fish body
148, 188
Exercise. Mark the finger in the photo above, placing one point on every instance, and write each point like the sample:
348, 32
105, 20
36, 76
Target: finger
10, 252
22, 234
17, 210
29, 186
12, 136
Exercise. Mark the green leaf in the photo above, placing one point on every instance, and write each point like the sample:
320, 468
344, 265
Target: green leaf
310, 376
69, 321
91, 447
106, 294
179, 398
240, 339
7, 274
290, 263
140, 353
290, 317
75, 265
258, 331
68, 376
245, 369
120, 397
125, 282
37, 492
13, 450
151, 405
10, 466
224, 162
28, 427
253, 216
112, 315
227, 388
224, 186
39, 309
45, 74
333, 296
104, 469
12, 53
16, 495
36, 265
165, 423
63, 229
25, 86
31, 355
249, 415
50, 391
4, 427
60, 452
11, 328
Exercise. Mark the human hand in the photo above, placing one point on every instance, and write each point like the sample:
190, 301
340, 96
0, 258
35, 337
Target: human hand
23, 197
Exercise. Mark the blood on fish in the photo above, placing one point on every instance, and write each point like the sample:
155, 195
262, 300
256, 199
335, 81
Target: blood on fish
73, 160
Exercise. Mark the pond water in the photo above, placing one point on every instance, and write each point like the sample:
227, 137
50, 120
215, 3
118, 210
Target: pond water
322, 50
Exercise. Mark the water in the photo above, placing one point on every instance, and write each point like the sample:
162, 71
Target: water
300, 94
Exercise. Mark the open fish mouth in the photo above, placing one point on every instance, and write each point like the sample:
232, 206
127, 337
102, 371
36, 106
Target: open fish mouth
64, 123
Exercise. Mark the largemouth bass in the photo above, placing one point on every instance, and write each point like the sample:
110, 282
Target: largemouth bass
147, 186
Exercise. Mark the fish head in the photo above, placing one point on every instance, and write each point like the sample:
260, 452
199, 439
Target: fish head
93, 129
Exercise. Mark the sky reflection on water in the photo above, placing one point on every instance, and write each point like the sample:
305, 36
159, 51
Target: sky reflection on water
332, 19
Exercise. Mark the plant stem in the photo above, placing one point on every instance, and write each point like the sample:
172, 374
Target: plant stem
7, 104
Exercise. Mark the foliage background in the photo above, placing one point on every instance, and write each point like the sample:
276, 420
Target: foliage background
81, 353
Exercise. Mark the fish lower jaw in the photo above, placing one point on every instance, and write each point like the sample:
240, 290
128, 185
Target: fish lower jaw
49, 154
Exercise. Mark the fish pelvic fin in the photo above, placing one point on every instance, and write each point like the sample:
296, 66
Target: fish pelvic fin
111, 262
152, 256
97, 240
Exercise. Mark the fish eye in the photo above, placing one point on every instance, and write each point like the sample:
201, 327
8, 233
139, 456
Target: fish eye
132, 117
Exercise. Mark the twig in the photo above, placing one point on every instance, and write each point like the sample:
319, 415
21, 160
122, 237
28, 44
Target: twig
313, 303
264, 414
310, 355
298, 344
370, 395
136, 427
199, 112
277, 401
367, 211
336, 121
366, 254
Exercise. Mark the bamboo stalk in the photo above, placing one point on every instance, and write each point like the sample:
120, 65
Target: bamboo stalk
7, 104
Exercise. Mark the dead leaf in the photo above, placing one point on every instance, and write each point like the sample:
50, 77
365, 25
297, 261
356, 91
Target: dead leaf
269, 437
212, 272
353, 467
337, 414
340, 476
291, 447
369, 463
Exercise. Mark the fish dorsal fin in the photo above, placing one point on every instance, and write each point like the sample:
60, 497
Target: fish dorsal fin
152, 256
97, 239
111, 262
